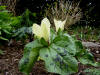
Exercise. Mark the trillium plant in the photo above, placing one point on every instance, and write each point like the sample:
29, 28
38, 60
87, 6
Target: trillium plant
60, 51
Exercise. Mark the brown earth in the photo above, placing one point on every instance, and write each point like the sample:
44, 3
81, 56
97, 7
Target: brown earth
12, 54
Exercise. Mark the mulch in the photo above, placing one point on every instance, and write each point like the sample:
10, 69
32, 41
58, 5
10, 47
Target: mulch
13, 53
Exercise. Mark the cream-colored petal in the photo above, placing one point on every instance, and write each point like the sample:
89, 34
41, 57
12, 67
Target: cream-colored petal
45, 26
63, 23
37, 30
59, 24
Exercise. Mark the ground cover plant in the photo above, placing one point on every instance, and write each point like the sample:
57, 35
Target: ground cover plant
15, 27
5, 24
60, 52
23, 25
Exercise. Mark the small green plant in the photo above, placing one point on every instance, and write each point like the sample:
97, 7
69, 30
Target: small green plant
22, 25
5, 24
58, 50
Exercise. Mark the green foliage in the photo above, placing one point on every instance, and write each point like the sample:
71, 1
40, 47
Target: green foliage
61, 55
5, 23
92, 71
23, 33
16, 22
22, 25
24, 20
28, 18
31, 53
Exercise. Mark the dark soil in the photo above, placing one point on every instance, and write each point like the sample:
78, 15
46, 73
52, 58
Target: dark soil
13, 53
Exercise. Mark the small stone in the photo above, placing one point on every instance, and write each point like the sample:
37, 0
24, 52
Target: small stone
97, 52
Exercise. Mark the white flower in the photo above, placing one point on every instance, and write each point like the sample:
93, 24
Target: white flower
59, 24
43, 30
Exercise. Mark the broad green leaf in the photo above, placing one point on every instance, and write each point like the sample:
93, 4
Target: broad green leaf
66, 41
31, 53
58, 60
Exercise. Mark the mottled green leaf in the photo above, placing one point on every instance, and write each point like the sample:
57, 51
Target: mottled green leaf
31, 53
58, 60
67, 42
